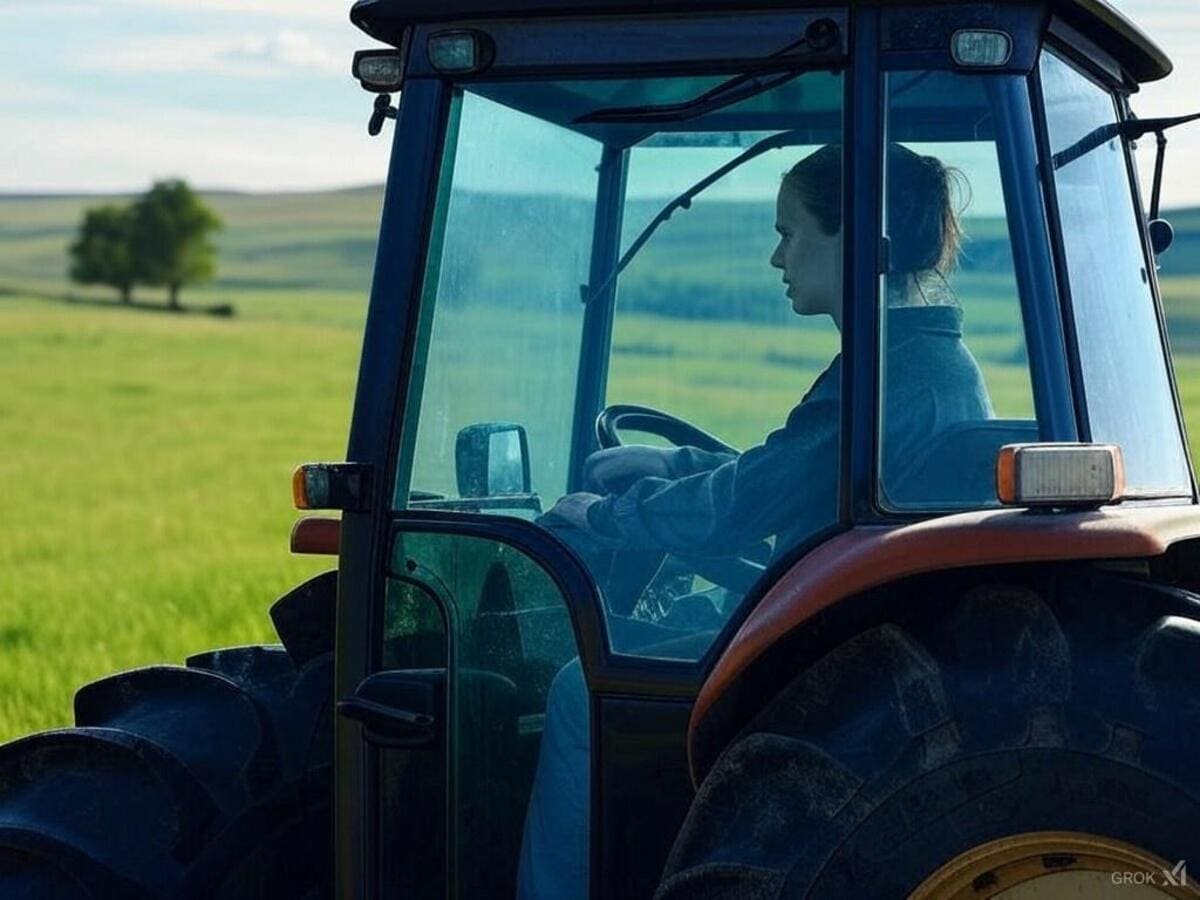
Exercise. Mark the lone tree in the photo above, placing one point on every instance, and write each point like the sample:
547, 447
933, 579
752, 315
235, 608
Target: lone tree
103, 252
171, 230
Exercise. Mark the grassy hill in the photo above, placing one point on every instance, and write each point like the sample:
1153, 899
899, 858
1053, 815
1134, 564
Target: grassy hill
325, 241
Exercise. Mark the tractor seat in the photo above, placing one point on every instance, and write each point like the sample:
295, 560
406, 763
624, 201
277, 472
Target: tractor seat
959, 467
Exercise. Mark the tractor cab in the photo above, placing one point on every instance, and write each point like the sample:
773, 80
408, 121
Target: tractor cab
666, 299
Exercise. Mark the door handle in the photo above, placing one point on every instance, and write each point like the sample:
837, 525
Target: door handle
398, 708
388, 725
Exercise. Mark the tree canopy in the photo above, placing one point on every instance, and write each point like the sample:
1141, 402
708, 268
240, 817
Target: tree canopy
171, 231
103, 252
163, 238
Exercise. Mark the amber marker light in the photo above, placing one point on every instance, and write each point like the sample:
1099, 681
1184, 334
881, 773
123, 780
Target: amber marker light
310, 486
344, 486
300, 489
1062, 475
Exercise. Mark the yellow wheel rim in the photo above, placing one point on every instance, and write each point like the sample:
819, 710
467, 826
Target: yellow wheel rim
1057, 865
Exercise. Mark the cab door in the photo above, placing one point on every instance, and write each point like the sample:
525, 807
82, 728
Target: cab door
456, 613
476, 627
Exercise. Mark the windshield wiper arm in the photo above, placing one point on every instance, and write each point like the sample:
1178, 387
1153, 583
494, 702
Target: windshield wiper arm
684, 200
820, 36
1130, 129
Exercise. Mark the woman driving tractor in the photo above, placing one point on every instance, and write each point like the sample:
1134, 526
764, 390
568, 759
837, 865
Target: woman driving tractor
700, 503
690, 501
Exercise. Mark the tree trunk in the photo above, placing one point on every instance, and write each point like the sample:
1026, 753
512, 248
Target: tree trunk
126, 293
173, 296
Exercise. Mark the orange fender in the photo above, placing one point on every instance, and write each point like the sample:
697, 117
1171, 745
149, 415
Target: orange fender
317, 536
870, 556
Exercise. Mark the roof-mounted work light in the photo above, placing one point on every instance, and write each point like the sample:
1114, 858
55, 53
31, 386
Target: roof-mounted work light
981, 48
379, 71
461, 52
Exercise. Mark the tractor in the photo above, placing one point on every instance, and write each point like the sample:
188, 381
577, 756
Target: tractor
767, 479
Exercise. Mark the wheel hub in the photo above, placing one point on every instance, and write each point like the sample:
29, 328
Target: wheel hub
1055, 865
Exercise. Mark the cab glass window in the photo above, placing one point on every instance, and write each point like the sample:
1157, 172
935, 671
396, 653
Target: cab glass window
501, 316
720, 324
704, 327
1121, 353
725, 319
956, 382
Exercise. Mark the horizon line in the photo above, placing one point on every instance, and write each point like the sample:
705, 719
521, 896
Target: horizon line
71, 193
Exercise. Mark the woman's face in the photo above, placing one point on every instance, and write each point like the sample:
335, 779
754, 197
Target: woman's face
810, 259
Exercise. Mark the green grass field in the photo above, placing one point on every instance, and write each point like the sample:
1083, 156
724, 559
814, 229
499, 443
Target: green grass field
147, 463
147, 457
146, 470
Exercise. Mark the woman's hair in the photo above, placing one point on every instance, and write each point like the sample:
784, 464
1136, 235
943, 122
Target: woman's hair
922, 212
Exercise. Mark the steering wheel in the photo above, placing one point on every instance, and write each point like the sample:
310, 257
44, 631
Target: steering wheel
731, 572
648, 420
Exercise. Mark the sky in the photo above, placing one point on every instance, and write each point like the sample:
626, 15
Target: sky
109, 95
106, 95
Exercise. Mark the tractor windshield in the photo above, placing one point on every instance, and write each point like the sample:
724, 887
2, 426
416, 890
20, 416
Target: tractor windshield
1126, 384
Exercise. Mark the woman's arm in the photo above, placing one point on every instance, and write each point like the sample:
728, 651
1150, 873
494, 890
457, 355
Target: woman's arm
767, 489
614, 470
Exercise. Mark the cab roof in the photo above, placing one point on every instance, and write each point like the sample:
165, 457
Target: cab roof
386, 20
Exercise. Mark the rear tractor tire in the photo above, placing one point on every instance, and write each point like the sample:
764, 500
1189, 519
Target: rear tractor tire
210, 780
1038, 735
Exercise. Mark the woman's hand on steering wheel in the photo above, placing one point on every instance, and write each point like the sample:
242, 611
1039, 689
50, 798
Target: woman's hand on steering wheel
617, 466
614, 469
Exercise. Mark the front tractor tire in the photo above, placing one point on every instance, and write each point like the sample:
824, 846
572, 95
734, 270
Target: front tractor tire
1039, 732
210, 780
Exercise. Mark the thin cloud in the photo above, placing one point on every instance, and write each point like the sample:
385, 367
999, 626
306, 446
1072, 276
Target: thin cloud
16, 93
279, 54
43, 152
288, 48
320, 10
309, 11
280, 10
23, 10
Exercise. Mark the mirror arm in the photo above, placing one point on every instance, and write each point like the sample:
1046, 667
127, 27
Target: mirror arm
1159, 163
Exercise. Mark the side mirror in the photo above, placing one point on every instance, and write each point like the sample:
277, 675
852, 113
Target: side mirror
1162, 236
492, 459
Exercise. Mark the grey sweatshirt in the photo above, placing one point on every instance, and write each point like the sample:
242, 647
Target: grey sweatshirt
719, 504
